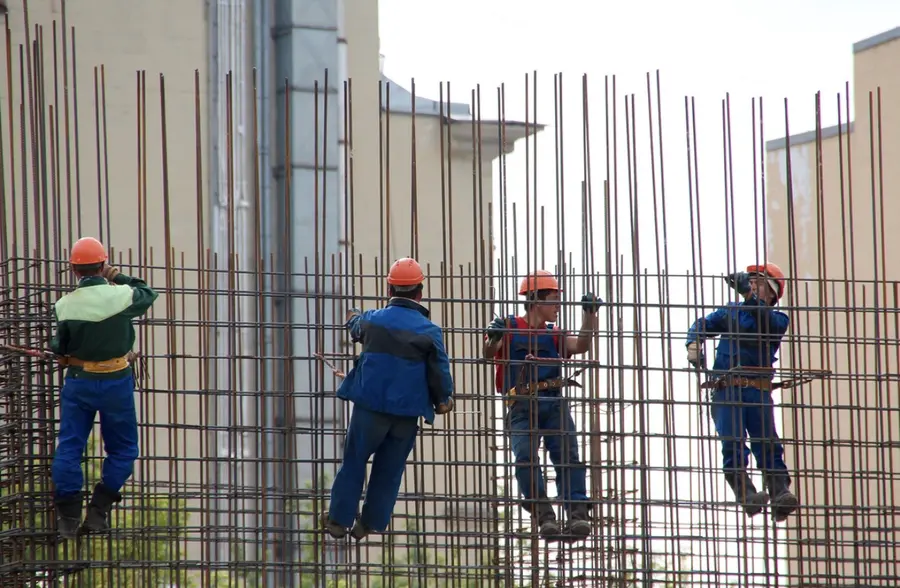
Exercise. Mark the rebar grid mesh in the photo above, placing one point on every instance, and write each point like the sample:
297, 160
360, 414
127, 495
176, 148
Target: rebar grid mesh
240, 429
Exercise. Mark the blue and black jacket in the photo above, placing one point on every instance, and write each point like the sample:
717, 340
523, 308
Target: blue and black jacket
751, 332
403, 368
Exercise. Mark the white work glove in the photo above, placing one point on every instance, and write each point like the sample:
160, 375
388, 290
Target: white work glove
695, 353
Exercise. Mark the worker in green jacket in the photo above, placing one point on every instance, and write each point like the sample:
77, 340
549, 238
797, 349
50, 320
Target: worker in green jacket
93, 340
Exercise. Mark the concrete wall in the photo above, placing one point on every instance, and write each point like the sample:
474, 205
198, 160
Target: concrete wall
840, 432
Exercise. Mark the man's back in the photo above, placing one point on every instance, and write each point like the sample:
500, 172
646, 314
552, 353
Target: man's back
94, 320
403, 368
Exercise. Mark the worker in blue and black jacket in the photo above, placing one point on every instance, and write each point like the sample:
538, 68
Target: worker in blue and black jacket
93, 340
750, 336
401, 375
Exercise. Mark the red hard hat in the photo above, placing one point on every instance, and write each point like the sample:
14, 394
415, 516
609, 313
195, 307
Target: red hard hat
87, 251
771, 271
405, 272
539, 280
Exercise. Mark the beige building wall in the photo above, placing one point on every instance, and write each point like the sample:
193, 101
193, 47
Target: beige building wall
841, 433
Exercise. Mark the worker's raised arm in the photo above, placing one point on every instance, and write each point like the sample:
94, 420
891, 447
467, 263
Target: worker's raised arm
493, 338
764, 319
142, 295
354, 324
581, 342
440, 379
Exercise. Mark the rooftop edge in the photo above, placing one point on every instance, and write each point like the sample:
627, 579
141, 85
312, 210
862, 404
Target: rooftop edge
807, 137
876, 40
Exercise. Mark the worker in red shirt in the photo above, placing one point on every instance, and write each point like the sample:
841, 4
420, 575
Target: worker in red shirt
537, 408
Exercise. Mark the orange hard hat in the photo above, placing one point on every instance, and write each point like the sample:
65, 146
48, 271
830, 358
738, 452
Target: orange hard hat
87, 251
539, 280
405, 272
773, 272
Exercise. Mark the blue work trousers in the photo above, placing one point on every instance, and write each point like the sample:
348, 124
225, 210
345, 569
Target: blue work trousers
390, 439
80, 401
527, 421
742, 412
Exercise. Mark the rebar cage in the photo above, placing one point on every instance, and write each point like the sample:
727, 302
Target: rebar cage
240, 429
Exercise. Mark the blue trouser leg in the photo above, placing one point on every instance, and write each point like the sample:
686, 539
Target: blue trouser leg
727, 412
80, 400
522, 423
75, 422
387, 473
558, 427
367, 432
759, 419
119, 430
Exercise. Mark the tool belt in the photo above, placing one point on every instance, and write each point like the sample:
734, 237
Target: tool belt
531, 389
764, 384
107, 366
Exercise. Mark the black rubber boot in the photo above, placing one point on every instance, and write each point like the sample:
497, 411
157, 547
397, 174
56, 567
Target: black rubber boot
783, 502
546, 520
97, 520
751, 500
579, 524
3, 7
68, 516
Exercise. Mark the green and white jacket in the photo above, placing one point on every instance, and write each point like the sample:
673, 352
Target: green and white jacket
94, 321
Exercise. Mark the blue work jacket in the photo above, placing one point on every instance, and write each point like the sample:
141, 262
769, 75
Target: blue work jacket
403, 368
750, 334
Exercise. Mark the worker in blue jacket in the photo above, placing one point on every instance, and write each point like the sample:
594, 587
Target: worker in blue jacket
402, 374
750, 335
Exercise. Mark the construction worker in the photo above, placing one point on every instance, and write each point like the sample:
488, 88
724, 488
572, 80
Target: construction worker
531, 416
402, 374
750, 335
93, 340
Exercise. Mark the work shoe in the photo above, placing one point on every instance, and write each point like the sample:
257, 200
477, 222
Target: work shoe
783, 501
360, 530
751, 500
548, 526
579, 524
68, 516
333, 528
102, 501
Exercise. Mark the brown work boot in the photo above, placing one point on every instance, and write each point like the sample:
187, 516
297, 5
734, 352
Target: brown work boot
751, 500
783, 501
360, 530
332, 527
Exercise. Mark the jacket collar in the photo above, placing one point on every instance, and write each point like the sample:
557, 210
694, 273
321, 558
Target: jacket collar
411, 304
91, 281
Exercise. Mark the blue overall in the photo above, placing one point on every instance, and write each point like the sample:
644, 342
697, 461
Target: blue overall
80, 401
750, 336
548, 416
402, 374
